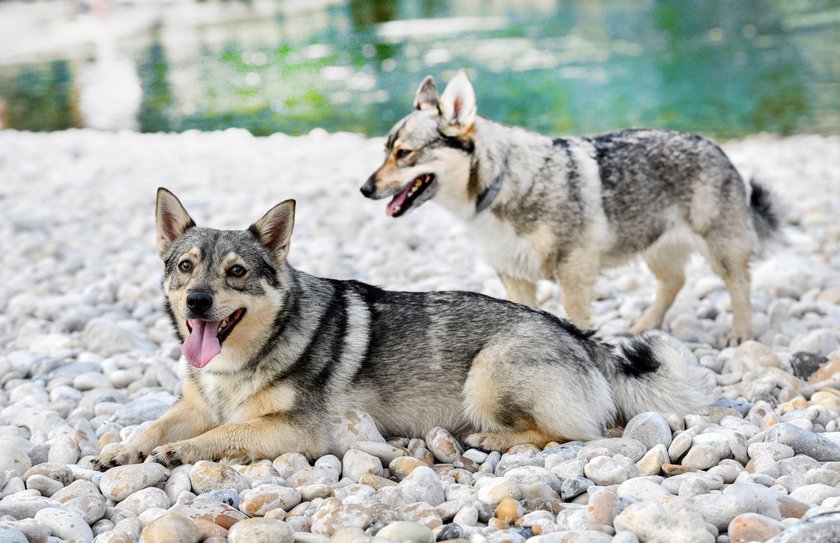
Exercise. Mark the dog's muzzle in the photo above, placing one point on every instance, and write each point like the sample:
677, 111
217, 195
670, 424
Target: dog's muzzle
368, 189
199, 302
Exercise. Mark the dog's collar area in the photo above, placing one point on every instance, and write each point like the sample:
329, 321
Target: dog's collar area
486, 198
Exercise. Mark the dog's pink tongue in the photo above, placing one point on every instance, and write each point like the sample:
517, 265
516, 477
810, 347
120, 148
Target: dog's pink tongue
202, 344
397, 201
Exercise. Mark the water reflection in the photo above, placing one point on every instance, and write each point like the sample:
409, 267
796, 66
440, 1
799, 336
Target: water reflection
157, 93
722, 68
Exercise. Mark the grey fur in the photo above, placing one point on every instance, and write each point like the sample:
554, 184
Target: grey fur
414, 361
572, 206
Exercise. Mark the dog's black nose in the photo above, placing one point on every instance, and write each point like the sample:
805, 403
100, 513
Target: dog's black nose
368, 188
199, 301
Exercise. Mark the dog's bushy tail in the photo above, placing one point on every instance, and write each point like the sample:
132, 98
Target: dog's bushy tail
766, 216
656, 373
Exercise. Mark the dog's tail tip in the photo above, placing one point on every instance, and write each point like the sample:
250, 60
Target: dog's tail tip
658, 373
766, 215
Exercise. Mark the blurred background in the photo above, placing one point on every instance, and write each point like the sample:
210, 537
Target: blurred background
724, 68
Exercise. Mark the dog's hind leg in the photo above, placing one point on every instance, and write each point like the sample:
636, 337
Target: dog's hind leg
729, 256
522, 390
668, 266
519, 290
502, 441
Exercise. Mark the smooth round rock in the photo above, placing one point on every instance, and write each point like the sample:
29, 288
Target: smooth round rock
443, 445
15, 456
256, 530
753, 527
357, 463
412, 532
207, 476
10, 534
261, 500
171, 527
144, 499
424, 485
604, 470
64, 524
118, 483
650, 429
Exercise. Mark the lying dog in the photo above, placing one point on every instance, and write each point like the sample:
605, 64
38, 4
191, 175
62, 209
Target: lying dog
564, 208
273, 353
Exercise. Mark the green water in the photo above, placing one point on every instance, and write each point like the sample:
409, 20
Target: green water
721, 68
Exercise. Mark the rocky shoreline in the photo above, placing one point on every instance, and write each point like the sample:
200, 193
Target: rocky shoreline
87, 359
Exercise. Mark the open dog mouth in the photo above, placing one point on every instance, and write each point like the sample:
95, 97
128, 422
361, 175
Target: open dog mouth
206, 337
404, 199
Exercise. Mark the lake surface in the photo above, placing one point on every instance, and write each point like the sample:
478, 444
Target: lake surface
722, 68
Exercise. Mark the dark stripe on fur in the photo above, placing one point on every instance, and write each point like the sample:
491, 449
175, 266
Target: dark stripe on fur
467, 146
281, 322
637, 359
581, 335
336, 329
766, 218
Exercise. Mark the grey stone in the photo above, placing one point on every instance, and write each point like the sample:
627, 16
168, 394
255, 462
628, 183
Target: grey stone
650, 429
21, 507
823, 528
804, 442
229, 496
64, 524
805, 364
572, 487
14, 455
43, 484
10, 534
424, 485
143, 409
631, 448
55, 471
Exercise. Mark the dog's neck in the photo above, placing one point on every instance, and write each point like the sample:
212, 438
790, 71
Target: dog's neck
490, 181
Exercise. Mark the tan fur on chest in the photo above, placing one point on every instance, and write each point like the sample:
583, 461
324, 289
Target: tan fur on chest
235, 399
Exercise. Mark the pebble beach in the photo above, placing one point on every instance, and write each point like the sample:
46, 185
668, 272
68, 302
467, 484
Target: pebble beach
88, 359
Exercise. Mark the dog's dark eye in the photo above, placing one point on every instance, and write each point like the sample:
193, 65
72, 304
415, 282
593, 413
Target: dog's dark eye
402, 153
236, 271
186, 266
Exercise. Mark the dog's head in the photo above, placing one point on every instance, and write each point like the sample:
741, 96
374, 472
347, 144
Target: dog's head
429, 152
223, 288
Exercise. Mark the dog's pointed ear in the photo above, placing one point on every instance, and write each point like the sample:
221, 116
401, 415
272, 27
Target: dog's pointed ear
274, 229
457, 104
427, 94
172, 220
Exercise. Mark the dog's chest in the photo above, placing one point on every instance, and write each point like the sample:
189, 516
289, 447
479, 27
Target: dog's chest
229, 398
504, 250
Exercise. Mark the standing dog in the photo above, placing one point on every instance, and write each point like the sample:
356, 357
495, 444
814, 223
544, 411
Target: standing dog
564, 208
273, 353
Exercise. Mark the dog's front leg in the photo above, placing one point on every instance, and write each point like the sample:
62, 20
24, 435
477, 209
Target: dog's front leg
188, 417
265, 437
519, 290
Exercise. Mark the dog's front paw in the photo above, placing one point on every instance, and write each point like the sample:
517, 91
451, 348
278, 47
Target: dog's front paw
173, 454
120, 457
